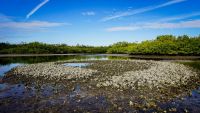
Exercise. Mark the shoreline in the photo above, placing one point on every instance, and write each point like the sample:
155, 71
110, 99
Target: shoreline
145, 57
70, 54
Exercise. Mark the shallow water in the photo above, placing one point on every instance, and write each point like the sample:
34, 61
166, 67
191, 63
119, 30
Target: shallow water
6, 68
76, 64
76, 98
189, 103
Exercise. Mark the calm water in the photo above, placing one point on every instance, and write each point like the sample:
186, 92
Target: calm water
76, 64
7, 90
7, 63
6, 68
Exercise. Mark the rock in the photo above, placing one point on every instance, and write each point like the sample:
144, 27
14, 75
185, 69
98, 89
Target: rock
130, 103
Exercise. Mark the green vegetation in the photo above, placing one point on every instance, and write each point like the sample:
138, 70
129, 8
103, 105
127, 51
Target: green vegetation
162, 45
37, 59
195, 64
42, 48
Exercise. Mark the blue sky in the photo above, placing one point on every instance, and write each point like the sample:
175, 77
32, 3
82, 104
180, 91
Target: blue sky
96, 22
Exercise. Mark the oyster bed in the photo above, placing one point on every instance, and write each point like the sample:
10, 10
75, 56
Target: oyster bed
120, 74
159, 74
51, 71
126, 85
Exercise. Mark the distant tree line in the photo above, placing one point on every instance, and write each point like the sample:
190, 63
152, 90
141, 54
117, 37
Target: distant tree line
43, 48
162, 45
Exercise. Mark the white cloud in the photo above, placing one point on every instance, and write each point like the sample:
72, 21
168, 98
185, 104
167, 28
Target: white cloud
8, 22
141, 10
88, 13
10, 28
36, 8
4, 18
122, 28
30, 25
183, 24
180, 17
158, 25
161, 24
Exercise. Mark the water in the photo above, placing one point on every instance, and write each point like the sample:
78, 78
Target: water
5, 86
6, 68
53, 94
76, 64
190, 103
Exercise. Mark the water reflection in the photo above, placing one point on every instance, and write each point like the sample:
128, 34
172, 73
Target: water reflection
39, 59
6, 68
76, 64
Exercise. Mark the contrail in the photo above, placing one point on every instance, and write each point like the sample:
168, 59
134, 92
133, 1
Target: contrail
36, 8
142, 10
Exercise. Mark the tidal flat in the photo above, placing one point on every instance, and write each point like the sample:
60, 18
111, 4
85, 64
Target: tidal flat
101, 86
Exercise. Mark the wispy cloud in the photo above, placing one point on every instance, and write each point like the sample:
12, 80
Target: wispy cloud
88, 13
36, 8
158, 25
183, 24
3, 18
141, 10
8, 22
31, 25
10, 28
180, 17
122, 28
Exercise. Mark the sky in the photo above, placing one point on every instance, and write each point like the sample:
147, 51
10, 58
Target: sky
96, 22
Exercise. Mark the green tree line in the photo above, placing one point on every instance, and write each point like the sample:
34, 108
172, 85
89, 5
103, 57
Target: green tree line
43, 48
162, 45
